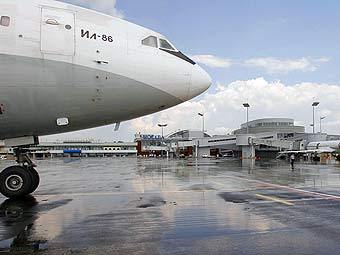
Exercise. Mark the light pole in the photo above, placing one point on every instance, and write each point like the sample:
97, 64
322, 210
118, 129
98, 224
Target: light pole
247, 106
162, 126
202, 115
321, 118
315, 104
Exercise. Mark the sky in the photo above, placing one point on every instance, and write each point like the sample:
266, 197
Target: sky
280, 56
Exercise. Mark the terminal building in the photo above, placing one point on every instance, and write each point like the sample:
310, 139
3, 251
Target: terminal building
262, 137
79, 149
257, 138
283, 127
156, 145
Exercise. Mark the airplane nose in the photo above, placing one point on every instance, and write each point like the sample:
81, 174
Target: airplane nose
200, 81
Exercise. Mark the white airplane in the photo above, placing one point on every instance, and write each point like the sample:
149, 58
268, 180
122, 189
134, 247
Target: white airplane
317, 147
65, 68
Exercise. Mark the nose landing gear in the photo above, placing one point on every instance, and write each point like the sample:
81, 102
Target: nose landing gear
20, 180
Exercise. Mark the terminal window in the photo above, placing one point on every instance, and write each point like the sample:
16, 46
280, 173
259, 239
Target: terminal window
5, 21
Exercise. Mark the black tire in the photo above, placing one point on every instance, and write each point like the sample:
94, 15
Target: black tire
15, 182
35, 179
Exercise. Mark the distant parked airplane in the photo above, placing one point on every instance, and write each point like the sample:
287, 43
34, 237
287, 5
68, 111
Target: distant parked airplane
317, 147
66, 68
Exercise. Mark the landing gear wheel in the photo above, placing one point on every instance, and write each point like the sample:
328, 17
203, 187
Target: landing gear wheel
15, 182
35, 179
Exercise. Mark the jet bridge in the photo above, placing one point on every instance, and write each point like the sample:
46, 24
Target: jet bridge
244, 142
247, 142
273, 143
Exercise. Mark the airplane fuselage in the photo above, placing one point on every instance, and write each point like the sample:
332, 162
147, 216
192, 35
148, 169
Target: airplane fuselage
65, 68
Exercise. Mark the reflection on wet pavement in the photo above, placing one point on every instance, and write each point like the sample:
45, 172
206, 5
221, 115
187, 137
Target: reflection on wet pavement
154, 206
17, 219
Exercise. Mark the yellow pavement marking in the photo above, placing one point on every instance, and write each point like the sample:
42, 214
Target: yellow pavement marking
275, 199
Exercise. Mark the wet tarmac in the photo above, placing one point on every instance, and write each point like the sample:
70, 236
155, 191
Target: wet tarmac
155, 206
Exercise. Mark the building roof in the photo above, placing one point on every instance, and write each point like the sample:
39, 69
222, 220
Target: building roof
253, 123
278, 125
187, 134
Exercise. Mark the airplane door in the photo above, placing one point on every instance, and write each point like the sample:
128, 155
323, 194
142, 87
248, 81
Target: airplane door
57, 31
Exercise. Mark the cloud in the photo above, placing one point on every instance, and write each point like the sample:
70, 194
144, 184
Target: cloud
224, 111
212, 61
105, 6
269, 64
273, 65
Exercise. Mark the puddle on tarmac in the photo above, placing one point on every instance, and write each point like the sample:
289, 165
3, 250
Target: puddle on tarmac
200, 187
235, 197
150, 202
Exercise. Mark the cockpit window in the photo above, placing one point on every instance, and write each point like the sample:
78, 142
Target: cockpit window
164, 44
150, 41
5, 21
